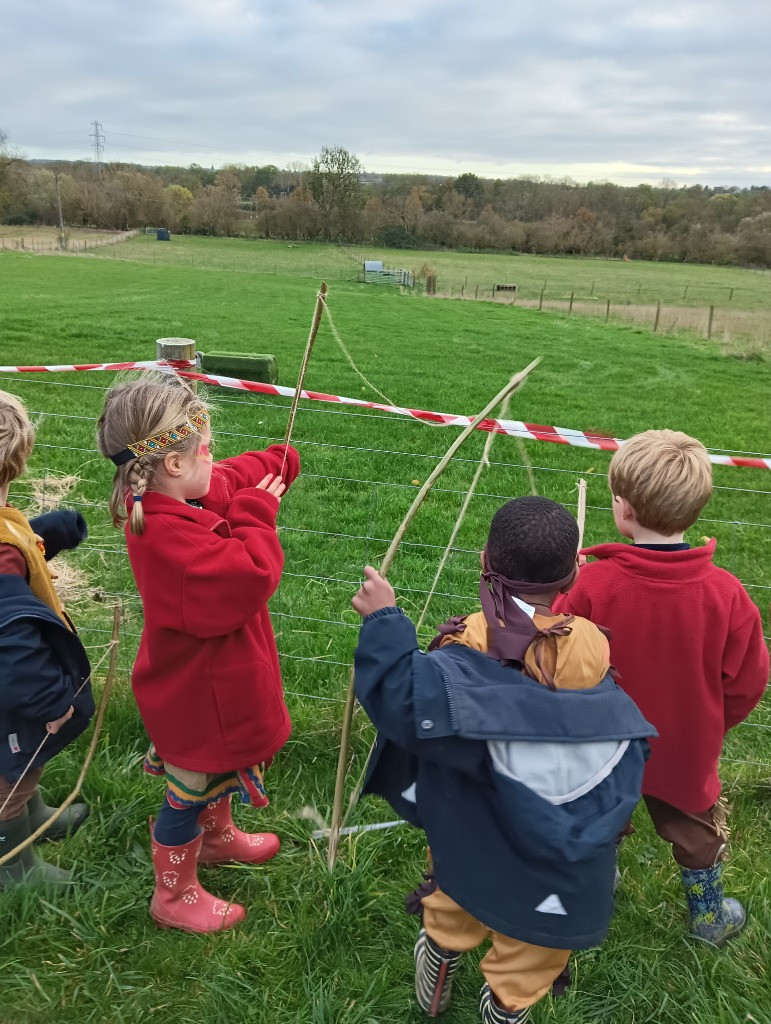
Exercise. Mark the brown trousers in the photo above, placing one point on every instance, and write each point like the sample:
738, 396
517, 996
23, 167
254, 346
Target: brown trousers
518, 973
21, 797
697, 840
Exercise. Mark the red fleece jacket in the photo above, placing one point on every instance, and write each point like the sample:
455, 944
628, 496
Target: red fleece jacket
688, 644
206, 678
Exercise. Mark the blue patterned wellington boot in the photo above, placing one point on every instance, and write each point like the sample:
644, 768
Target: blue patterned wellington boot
714, 919
434, 970
493, 1014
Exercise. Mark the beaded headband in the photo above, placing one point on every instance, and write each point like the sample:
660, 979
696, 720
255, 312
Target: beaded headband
158, 442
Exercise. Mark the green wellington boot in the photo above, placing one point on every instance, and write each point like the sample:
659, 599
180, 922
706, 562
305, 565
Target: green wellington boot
65, 825
26, 866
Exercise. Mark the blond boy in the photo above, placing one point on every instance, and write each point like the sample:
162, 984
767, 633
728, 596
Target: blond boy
688, 645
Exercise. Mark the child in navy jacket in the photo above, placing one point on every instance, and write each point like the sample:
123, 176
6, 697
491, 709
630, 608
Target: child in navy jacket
513, 749
45, 694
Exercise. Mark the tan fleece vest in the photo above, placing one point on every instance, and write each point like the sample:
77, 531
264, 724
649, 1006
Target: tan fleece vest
576, 662
16, 531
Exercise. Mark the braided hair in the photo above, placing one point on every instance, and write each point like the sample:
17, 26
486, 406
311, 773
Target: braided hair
136, 409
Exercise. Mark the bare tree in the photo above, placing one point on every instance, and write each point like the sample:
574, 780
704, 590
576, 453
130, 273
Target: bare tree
333, 182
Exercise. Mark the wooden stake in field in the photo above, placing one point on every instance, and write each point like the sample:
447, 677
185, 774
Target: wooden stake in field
514, 385
317, 313
581, 512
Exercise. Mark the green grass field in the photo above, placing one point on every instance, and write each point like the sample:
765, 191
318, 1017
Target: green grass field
730, 305
687, 285
337, 948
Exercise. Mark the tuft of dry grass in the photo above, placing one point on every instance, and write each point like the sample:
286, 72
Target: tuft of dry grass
49, 491
72, 583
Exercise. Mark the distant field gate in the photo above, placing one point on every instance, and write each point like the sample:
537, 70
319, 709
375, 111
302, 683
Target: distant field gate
373, 272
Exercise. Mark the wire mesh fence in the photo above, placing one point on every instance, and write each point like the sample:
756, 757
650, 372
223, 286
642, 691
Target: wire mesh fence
360, 471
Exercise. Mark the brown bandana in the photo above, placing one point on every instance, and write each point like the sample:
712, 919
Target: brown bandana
511, 630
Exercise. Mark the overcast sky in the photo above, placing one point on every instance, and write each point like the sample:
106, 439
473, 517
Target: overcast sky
590, 89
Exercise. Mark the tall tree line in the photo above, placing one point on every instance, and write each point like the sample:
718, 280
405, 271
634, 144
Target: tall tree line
334, 200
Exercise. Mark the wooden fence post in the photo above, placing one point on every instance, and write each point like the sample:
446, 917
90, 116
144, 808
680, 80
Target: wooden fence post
709, 322
658, 314
174, 349
730, 294
476, 292
540, 301
570, 307
685, 293
607, 311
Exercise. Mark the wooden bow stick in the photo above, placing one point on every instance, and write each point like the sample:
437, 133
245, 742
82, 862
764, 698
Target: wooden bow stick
317, 314
581, 513
484, 461
513, 385
113, 651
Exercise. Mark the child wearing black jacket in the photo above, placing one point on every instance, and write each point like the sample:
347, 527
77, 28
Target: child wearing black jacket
45, 695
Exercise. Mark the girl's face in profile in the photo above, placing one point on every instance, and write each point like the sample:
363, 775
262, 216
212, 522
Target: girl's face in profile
196, 467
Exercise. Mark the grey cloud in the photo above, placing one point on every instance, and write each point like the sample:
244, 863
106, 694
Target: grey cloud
551, 86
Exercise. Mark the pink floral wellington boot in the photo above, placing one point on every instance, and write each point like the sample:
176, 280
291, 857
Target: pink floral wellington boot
179, 900
223, 842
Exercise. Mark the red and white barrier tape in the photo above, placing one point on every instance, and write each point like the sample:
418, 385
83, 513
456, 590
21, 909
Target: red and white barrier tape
150, 364
515, 428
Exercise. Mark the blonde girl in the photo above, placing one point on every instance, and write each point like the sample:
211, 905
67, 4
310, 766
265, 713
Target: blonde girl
202, 542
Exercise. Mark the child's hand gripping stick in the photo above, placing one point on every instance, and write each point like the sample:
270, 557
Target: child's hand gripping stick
375, 593
273, 485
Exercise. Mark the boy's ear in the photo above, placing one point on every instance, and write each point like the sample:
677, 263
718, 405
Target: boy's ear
624, 509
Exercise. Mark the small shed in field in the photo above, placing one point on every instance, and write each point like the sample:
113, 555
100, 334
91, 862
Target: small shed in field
373, 272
